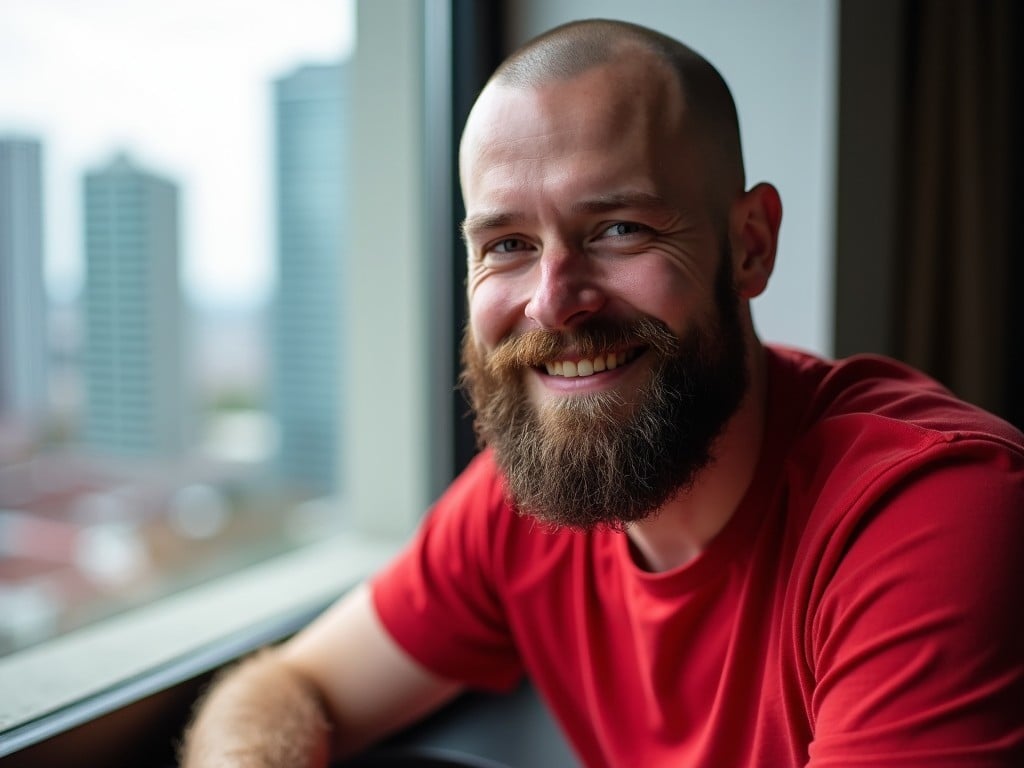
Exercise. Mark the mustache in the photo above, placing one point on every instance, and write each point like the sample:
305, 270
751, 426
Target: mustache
535, 348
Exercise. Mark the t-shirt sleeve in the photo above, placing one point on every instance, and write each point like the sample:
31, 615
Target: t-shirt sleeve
441, 598
917, 646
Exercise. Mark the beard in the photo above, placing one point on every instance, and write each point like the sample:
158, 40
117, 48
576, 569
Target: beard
598, 459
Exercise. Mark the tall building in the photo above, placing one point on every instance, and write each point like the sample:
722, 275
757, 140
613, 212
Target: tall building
133, 356
23, 316
311, 164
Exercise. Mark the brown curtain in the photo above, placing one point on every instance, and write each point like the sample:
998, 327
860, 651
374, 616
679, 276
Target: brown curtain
956, 311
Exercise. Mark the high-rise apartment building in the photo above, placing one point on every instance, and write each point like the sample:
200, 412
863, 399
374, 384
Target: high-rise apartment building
311, 165
133, 358
23, 333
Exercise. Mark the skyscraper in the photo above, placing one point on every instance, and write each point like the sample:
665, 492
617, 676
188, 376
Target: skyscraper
23, 336
134, 372
311, 166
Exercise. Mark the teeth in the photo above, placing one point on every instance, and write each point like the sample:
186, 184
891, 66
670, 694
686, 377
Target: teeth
572, 369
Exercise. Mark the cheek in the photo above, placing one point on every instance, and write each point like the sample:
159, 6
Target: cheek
493, 313
659, 290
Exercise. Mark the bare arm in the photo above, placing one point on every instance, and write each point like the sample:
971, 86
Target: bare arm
260, 713
338, 686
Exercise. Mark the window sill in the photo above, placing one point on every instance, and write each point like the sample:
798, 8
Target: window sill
53, 687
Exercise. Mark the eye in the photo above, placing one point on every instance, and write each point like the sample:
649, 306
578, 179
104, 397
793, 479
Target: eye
508, 245
507, 251
623, 229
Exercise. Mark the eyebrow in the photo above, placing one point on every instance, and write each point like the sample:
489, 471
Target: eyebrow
482, 222
614, 201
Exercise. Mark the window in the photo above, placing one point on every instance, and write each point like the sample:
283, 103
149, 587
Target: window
215, 326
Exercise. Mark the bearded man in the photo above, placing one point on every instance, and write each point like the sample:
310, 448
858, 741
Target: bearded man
746, 555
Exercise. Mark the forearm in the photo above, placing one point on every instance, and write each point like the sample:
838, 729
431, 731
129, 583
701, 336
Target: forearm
261, 714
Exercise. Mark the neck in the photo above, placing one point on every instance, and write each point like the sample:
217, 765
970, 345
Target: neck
679, 531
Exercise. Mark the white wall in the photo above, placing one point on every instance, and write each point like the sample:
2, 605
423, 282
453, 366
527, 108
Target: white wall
779, 58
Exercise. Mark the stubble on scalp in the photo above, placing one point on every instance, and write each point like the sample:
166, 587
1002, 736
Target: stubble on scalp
711, 121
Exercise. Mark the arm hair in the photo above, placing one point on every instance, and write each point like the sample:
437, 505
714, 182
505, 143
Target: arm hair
260, 713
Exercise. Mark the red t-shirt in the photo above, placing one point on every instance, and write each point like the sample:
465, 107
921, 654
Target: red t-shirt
862, 607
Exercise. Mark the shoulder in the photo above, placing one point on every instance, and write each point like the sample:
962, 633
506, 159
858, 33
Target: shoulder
864, 425
890, 475
478, 486
469, 514
475, 523
878, 386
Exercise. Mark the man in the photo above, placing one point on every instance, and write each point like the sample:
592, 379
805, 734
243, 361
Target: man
702, 550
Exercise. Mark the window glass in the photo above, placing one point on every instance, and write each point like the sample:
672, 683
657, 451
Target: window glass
175, 183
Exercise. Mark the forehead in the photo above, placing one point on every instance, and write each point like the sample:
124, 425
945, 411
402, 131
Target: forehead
627, 114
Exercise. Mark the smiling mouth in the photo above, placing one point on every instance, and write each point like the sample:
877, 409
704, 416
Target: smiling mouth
588, 367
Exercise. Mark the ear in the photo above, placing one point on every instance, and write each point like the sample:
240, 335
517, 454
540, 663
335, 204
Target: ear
754, 220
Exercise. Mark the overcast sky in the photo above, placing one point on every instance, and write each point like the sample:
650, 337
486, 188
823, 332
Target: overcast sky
184, 87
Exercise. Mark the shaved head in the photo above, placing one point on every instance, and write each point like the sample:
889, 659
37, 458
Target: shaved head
711, 122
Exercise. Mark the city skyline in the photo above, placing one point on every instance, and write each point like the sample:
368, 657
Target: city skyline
179, 89
310, 167
95, 366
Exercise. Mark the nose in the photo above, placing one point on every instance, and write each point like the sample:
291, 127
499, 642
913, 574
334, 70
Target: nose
566, 291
